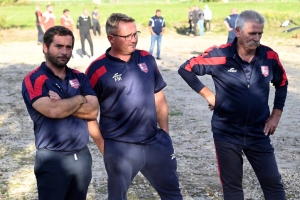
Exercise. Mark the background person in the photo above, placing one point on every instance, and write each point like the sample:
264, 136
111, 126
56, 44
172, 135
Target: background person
129, 87
48, 18
207, 18
59, 101
157, 28
190, 15
96, 23
201, 22
195, 19
66, 20
84, 27
39, 25
229, 23
241, 121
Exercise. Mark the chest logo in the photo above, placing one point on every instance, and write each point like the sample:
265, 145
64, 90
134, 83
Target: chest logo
232, 70
143, 67
117, 77
265, 70
74, 83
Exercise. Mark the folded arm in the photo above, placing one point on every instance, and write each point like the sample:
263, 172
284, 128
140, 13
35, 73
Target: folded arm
88, 110
58, 108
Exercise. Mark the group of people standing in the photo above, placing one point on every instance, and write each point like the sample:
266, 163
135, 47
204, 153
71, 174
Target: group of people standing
199, 20
85, 25
133, 129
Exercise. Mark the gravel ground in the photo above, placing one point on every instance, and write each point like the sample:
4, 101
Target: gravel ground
189, 123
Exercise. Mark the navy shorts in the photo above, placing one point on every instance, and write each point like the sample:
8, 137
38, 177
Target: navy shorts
262, 159
63, 177
156, 162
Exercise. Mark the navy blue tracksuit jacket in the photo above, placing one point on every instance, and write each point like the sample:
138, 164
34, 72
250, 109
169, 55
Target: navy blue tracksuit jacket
241, 108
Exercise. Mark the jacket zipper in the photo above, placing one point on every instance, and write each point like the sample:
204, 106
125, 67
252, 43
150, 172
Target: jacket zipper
248, 86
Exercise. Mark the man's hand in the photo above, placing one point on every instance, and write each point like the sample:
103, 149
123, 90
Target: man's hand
272, 122
209, 96
53, 96
88, 110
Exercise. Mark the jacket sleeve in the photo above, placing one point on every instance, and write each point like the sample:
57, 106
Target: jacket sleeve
200, 65
78, 23
279, 81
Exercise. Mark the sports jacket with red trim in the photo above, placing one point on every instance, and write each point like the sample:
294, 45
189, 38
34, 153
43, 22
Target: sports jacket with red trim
241, 109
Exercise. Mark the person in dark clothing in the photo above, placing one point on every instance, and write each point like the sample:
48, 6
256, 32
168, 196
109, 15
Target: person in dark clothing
190, 15
84, 26
135, 130
195, 19
60, 101
229, 23
39, 26
241, 123
96, 23
157, 26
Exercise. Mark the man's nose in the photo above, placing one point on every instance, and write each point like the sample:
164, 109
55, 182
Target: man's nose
257, 37
64, 50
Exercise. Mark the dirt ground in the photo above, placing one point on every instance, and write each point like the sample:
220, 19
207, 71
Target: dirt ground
189, 121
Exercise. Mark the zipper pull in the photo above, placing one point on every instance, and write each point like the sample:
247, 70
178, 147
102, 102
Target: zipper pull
75, 156
248, 86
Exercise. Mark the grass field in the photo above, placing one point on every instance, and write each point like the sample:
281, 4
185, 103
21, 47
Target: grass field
175, 13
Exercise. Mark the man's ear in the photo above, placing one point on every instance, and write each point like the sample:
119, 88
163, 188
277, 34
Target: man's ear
110, 38
238, 31
45, 48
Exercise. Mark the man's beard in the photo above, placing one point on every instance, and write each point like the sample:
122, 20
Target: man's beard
54, 60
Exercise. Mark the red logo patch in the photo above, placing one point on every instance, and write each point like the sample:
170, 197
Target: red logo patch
74, 83
143, 67
265, 70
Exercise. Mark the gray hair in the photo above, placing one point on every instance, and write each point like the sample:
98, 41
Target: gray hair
114, 20
248, 16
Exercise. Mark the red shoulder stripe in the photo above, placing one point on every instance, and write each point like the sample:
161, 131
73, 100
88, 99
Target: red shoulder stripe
37, 88
200, 60
274, 55
98, 73
99, 58
144, 53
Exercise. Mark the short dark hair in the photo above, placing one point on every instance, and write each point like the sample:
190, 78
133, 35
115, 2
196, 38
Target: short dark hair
66, 10
57, 30
158, 10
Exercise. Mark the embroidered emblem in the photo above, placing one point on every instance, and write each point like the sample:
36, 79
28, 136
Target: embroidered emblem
74, 83
232, 70
143, 67
117, 77
265, 70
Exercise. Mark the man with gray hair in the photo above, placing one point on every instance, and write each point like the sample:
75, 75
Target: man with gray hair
129, 88
241, 121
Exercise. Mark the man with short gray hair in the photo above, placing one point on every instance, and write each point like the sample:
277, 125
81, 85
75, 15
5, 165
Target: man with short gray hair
241, 123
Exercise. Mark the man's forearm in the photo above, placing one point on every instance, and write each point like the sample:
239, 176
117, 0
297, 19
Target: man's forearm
151, 30
86, 111
66, 107
58, 108
162, 111
276, 113
95, 133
